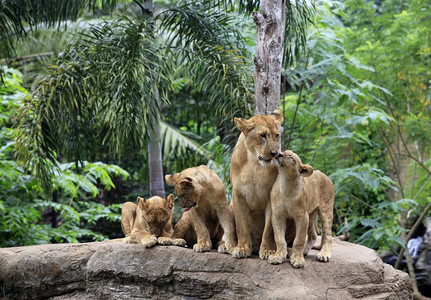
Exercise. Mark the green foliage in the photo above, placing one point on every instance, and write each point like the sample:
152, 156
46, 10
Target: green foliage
73, 107
24, 208
18, 17
365, 105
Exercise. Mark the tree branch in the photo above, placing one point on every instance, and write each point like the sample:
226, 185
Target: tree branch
318, 143
294, 116
411, 233
145, 12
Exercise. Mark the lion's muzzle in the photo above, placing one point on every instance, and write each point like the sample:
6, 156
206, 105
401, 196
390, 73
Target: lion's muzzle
189, 208
279, 158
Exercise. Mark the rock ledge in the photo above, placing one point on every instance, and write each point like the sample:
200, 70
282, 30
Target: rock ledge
112, 270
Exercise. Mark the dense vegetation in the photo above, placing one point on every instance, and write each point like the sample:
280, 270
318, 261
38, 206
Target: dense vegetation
356, 102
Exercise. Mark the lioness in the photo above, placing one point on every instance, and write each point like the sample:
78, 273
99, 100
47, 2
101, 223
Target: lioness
207, 215
148, 222
300, 193
252, 175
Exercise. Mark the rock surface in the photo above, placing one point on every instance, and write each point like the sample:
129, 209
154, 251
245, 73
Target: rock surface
112, 270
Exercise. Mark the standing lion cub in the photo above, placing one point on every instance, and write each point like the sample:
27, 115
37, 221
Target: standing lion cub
300, 193
207, 215
148, 222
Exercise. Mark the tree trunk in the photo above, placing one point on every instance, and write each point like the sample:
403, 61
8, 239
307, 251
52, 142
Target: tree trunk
157, 184
270, 24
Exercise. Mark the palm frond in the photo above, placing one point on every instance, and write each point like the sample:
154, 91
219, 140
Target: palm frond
192, 23
241, 6
102, 89
19, 16
211, 48
175, 141
299, 15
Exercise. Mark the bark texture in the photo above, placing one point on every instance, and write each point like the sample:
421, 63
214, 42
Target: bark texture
112, 270
270, 24
157, 183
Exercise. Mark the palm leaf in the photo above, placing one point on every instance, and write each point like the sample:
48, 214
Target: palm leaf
193, 23
210, 47
175, 141
19, 16
299, 15
101, 90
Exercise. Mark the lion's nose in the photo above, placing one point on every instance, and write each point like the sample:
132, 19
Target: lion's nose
274, 153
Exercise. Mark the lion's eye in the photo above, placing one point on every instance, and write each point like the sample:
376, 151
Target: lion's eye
263, 135
162, 223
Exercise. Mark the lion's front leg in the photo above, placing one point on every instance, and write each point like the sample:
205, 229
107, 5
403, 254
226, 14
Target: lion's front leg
204, 243
241, 213
279, 225
184, 226
267, 246
227, 222
296, 255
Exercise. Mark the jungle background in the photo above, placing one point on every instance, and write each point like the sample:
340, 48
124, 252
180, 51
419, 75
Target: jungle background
80, 95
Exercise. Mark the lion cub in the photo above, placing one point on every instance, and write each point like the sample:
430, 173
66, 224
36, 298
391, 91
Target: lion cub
148, 222
299, 193
207, 215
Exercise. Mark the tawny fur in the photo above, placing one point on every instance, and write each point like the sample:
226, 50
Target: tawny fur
209, 221
252, 175
149, 222
301, 193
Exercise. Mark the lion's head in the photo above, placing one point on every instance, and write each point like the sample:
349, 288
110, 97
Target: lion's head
262, 135
156, 212
188, 195
290, 162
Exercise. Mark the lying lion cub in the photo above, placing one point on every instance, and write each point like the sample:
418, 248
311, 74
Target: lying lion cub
300, 194
150, 219
206, 212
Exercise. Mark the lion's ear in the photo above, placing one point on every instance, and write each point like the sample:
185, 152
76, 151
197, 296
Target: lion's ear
169, 203
305, 170
170, 179
277, 116
141, 202
244, 125
186, 184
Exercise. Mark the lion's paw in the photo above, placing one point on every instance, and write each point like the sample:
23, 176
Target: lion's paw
126, 240
264, 254
201, 247
223, 248
297, 261
240, 252
179, 242
323, 257
149, 241
276, 259
164, 241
